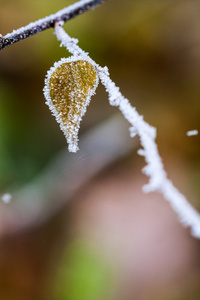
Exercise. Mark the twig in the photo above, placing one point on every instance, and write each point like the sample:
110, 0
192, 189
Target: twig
159, 181
64, 15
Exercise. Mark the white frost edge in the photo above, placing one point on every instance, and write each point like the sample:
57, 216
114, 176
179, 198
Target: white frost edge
192, 132
58, 14
72, 145
158, 181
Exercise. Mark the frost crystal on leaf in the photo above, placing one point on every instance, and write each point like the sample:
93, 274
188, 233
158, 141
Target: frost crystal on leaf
68, 89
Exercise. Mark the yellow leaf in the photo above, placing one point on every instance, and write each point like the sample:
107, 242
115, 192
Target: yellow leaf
68, 90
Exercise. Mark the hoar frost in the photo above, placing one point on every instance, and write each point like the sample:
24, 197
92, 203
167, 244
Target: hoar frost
158, 180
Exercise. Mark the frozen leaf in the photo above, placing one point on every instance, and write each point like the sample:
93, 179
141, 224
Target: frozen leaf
68, 89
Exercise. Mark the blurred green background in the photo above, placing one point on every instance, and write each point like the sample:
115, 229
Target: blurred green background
110, 241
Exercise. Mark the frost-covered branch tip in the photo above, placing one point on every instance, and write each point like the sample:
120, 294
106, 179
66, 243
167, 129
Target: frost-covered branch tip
33, 28
158, 180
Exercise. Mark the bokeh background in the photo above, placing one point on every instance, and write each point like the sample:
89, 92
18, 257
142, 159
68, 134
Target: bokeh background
78, 225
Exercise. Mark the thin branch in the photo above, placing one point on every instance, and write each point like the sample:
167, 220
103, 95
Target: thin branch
159, 181
64, 15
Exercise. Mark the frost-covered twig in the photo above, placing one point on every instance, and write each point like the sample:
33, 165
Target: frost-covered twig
147, 134
154, 169
33, 28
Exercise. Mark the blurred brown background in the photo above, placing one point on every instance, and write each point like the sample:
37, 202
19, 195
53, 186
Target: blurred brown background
79, 225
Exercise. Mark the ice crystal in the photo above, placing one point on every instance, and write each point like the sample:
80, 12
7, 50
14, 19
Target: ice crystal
6, 198
192, 132
68, 90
